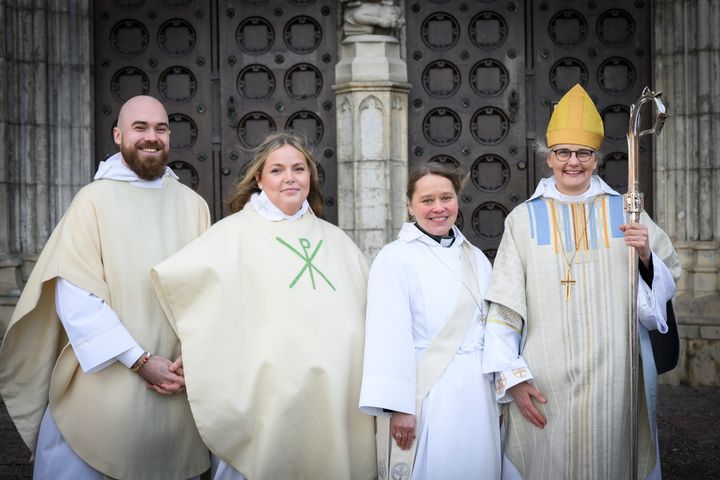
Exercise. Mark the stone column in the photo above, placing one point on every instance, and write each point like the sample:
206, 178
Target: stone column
46, 128
372, 122
687, 173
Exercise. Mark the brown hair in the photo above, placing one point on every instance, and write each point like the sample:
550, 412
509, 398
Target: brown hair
248, 185
451, 172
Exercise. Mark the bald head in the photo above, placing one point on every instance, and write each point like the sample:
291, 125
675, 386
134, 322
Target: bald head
143, 133
143, 108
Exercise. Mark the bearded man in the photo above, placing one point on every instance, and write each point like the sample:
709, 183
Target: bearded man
90, 367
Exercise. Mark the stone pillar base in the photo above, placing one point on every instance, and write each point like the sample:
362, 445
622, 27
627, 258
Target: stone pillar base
11, 283
701, 268
699, 325
697, 307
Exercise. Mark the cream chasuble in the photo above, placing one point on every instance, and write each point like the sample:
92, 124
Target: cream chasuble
110, 237
575, 335
271, 319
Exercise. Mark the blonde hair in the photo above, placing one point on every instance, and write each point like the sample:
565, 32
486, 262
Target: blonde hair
248, 185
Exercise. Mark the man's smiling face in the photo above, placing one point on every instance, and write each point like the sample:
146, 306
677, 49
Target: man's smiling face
143, 134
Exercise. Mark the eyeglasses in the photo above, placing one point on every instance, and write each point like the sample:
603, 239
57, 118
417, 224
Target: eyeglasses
564, 154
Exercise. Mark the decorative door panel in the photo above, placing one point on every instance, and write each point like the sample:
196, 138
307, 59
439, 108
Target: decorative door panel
486, 74
604, 46
277, 66
162, 49
228, 73
467, 68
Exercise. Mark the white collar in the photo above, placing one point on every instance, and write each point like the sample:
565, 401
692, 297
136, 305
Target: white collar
409, 233
114, 168
269, 211
548, 189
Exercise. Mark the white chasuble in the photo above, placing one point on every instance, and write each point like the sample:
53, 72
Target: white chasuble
271, 320
562, 268
110, 237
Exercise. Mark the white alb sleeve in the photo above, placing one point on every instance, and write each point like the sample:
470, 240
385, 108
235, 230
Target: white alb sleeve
652, 301
501, 351
96, 334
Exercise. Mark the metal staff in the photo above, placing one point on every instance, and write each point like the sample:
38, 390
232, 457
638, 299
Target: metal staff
633, 206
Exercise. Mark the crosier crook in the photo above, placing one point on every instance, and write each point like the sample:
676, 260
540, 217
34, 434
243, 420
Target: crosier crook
633, 207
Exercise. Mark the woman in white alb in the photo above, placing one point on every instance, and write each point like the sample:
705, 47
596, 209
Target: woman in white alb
415, 286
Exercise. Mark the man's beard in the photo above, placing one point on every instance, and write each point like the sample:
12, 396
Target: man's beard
146, 167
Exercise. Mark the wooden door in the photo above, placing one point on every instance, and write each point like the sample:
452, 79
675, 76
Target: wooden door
228, 73
486, 75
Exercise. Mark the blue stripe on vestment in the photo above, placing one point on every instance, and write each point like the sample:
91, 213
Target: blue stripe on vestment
592, 226
617, 215
542, 223
567, 227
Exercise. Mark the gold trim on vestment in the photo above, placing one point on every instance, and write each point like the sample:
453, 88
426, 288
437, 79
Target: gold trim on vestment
501, 322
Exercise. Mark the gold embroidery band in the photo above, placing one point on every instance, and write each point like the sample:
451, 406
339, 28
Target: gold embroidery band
501, 322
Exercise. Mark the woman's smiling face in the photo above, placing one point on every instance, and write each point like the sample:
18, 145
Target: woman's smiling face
572, 176
285, 179
434, 204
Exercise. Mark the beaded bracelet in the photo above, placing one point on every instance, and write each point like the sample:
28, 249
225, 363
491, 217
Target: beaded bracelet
140, 362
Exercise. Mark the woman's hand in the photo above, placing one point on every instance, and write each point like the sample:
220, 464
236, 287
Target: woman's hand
156, 372
177, 367
523, 393
636, 235
402, 428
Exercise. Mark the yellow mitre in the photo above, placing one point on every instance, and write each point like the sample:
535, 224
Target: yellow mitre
575, 120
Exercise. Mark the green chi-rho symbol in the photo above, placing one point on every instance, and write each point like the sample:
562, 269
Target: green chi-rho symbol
307, 258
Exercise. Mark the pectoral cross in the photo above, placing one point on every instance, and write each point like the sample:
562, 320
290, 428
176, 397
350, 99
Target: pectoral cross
567, 282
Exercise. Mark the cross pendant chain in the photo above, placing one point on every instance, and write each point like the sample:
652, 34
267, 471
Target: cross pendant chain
567, 282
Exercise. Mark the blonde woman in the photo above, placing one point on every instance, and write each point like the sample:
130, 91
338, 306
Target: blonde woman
269, 306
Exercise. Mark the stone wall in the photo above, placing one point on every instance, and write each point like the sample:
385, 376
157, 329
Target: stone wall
46, 128
687, 174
